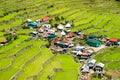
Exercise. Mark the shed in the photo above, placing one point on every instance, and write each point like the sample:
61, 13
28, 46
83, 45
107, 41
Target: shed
94, 42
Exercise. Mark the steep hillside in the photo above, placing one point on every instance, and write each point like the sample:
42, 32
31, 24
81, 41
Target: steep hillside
30, 59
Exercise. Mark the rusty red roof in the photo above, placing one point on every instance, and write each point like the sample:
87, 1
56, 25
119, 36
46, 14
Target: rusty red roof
71, 34
46, 18
113, 39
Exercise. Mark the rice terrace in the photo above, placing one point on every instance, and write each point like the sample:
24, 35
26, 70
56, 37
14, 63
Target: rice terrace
59, 39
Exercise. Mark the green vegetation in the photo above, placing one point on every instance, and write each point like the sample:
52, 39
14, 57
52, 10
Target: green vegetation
110, 57
70, 68
32, 58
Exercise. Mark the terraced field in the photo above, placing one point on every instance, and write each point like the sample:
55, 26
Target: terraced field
29, 59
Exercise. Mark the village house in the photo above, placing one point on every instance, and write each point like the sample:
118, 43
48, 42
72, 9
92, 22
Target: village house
60, 27
99, 67
45, 35
32, 25
51, 36
79, 48
68, 25
46, 19
52, 31
66, 44
3, 42
85, 69
48, 26
91, 63
63, 44
85, 55
70, 35
42, 29
63, 33
94, 42
112, 41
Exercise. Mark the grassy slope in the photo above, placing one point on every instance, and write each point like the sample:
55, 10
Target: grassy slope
111, 58
70, 68
80, 11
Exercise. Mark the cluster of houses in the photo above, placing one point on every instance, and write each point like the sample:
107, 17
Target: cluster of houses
9, 36
46, 31
111, 41
91, 65
82, 53
62, 39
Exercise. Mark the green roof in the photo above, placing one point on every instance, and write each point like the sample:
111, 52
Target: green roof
94, 42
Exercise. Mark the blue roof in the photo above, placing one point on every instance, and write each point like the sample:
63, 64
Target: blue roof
33, 24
